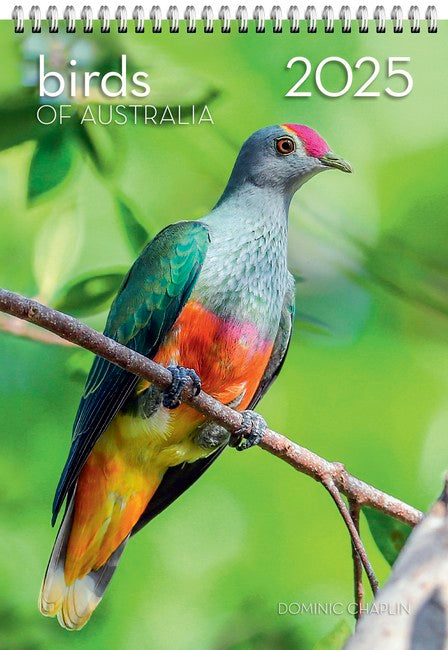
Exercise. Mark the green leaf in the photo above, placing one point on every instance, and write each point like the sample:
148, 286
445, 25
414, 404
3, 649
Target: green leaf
136, 234
104, 150
78, 365
52, 160
336, 639
307, 323
57, 249
89, 294
389, 534
19, 122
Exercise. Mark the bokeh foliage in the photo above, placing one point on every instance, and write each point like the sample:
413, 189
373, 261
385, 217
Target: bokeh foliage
367, 375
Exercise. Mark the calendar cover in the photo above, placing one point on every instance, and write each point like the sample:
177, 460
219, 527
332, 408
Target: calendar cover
253, 209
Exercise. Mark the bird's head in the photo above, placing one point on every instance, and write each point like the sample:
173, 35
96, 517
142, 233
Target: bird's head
284, 157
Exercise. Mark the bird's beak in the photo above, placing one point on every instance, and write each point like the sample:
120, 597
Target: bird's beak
332, 160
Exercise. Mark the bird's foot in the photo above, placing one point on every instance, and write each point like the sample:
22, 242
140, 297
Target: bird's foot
252, 429
172, 395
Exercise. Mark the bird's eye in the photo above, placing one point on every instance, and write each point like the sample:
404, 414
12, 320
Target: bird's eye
285, 146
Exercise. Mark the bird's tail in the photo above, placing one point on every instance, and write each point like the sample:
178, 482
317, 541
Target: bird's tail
73, 603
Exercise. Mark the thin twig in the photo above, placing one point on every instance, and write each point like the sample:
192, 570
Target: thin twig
330, 485
357, 564
300, 458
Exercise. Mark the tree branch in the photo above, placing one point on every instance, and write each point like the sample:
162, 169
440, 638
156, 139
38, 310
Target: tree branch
410, 611
357, 564
358, 546
302, 459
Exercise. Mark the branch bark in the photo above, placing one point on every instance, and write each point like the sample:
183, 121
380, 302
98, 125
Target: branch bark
300, 458
358, 547
357, 564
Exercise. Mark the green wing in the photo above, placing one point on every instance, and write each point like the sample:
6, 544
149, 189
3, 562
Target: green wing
178, 479
150, 299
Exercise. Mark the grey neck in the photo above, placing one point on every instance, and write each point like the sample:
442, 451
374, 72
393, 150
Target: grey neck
245, 271
250, 197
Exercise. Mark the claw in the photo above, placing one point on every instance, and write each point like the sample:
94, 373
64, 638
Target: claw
252, 429
172, 395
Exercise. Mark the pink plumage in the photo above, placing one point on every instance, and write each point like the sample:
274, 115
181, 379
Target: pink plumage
312, 141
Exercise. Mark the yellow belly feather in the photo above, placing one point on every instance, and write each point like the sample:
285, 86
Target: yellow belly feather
121, 475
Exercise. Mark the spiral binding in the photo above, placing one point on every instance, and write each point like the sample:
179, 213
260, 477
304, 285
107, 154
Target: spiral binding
224, 16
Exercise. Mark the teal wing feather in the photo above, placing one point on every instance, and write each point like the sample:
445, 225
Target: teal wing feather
150, 299
178, 479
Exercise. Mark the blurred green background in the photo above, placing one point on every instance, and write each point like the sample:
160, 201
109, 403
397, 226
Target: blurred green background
366, 378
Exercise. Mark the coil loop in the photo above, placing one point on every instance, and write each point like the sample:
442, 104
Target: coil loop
431, 17
379, 15
276, 17
70, 19
363, 19
52, 17
155, 15
241, 16
414, 18
311, 18
224, 17
294, 19
190, 17
173, 18
104, 16
207, 17
87, 18
17, 16
397, 19
259, 18
121, 16
328, 18
36, 19
138, 16
345, 17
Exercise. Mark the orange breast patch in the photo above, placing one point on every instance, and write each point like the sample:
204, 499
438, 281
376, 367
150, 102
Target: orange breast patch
229, 357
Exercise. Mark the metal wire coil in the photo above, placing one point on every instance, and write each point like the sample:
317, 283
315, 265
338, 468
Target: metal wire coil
275, 20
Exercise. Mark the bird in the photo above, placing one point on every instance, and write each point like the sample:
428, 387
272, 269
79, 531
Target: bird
212, 300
